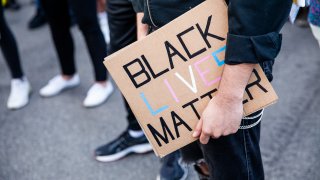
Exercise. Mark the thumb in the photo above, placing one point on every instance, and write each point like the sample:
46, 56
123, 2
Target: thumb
198, 129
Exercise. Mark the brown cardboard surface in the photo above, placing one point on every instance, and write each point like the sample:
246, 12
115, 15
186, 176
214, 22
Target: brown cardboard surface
165, 95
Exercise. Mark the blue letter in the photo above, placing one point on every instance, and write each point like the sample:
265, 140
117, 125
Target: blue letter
214, 54
153, 112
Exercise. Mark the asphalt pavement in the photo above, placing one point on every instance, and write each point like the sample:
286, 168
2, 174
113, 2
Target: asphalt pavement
54, 138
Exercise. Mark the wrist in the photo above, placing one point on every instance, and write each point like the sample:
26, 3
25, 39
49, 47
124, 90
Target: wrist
234, 81
230, 92
231, 97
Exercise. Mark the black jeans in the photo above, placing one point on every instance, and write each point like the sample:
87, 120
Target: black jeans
9, 47
233, 157
57, 12
123, 31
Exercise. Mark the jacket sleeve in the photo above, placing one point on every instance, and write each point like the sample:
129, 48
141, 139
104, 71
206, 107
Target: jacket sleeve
254, 27
138, 5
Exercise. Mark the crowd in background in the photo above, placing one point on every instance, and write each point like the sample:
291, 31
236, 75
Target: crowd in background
92, 20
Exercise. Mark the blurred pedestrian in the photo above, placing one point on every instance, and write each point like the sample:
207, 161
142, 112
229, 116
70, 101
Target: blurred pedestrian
20, 87
85, 12
314, 18
125, 30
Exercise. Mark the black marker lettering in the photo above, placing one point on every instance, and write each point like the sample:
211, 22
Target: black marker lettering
177, 124
257, 83
184, 45
174, 52
206, 33
156, 135
154, 75
191, 104
133, 76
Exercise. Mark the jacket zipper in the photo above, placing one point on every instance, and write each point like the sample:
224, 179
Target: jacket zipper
150, 14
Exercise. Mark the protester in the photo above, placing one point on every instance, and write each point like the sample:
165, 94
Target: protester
57, 12
122, 24
253, 38
314, 18
123, 31
20, 87
39, 18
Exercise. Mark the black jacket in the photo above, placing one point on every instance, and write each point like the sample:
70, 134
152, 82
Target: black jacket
254, 26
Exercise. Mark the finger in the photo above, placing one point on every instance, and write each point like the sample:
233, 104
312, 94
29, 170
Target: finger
204, 138
216, 136
198, 129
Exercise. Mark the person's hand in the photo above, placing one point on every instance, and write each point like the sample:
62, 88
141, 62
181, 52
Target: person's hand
223, 114
142, 29
221, 117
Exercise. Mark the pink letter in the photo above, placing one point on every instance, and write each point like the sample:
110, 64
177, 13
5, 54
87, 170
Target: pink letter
171, 90
203, 73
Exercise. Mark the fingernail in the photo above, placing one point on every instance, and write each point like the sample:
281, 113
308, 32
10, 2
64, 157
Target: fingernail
206, 140
195, 134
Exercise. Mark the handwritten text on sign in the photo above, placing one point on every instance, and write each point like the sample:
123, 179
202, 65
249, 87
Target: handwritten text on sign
146, 73
169, 77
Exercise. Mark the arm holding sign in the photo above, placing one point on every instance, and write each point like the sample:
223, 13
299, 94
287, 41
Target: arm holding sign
249, 42
142, 29
224, 112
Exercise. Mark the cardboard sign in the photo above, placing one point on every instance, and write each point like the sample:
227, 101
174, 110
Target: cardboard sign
169, 77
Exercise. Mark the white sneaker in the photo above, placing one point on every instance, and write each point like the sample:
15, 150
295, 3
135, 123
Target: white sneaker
58, 84
98, 94
19, 94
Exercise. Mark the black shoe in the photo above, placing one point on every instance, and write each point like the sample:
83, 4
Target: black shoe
121, 147
38, 20
173, 168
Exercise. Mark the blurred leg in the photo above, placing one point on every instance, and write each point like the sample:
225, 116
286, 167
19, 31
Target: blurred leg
20, 87
86, 14
122, 24
316, 32
9, 48
57, 12
123, 31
